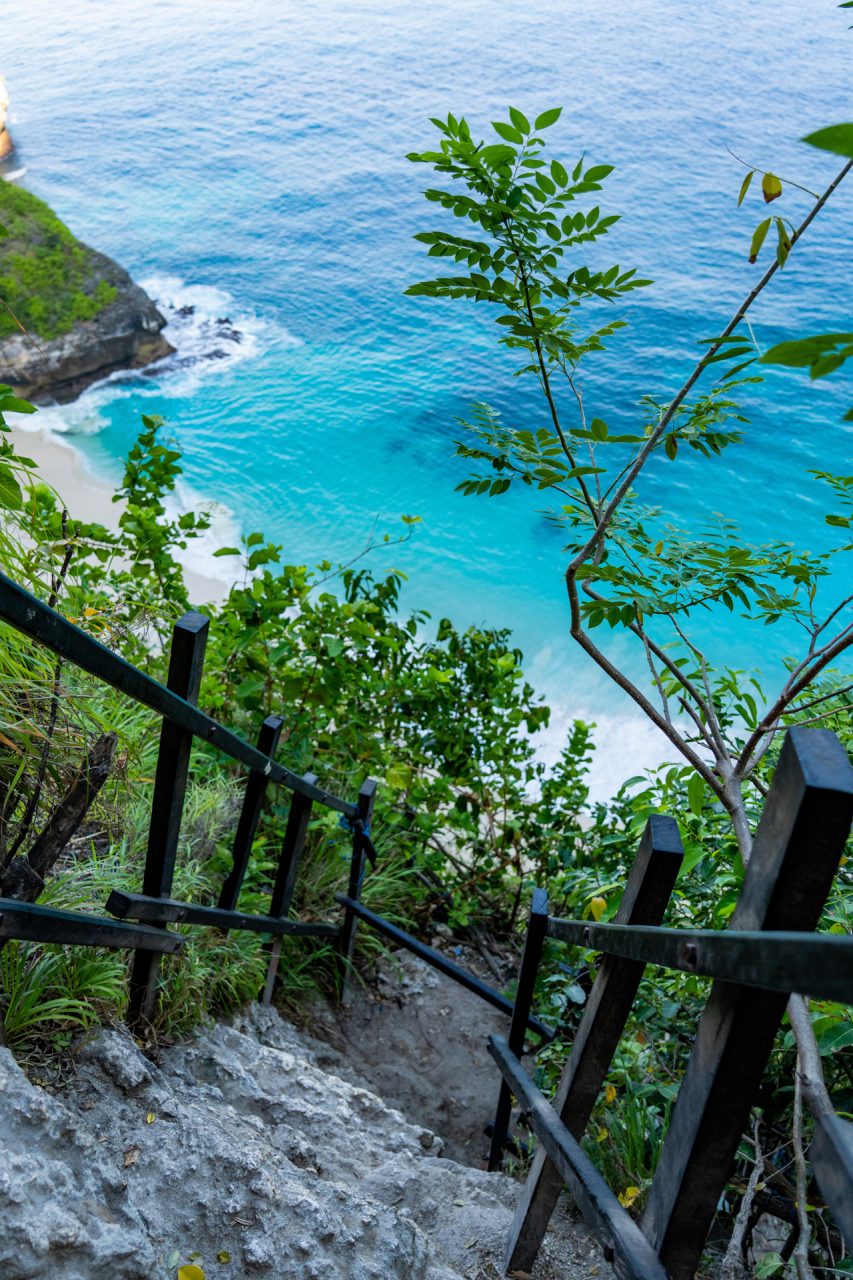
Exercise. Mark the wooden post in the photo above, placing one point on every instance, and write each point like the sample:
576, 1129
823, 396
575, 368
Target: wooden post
285, 878
366, 801
247, 826
796, 851
647, 892
186, 659
537, 927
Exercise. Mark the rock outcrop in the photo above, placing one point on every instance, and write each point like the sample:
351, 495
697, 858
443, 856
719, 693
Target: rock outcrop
70, 315
125, 334
6, 144
240, 1154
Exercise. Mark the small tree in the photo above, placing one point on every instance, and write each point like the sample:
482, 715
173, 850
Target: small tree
650, 580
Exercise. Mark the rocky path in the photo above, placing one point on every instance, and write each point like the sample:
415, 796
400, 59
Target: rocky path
241, 1154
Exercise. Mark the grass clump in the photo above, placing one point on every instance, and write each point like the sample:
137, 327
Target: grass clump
48, 280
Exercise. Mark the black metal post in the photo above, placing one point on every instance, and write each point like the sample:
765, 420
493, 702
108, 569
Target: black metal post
366, 801
253, 799
286, 874
170, 783
537, 929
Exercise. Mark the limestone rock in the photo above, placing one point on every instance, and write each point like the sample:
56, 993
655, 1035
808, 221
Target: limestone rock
238, 1143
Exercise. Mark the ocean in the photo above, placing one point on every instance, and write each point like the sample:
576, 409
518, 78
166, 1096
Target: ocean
246, 163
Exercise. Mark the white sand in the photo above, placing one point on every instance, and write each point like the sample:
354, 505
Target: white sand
90, 498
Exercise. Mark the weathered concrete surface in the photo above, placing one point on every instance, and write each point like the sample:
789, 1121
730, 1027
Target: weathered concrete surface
239, 1147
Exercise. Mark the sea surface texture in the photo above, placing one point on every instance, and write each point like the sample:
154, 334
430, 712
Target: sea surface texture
246, 162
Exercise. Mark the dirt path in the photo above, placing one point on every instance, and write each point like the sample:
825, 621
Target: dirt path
419, 1040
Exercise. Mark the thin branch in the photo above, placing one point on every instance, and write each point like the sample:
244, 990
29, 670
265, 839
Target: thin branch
668, 415
764, 174
733, 1263
824, 697
619, 678
655, 676
801, 1249
793, 687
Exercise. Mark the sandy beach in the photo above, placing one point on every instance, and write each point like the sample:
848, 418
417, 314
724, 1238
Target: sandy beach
89, 497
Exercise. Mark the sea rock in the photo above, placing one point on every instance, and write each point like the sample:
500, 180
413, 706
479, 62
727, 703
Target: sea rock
125, 334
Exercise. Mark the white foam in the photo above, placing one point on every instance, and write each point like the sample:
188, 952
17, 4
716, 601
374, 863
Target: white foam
627, 743
224, 531
209, 331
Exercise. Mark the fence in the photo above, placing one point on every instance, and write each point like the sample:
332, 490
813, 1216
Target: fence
768, 952
141, 920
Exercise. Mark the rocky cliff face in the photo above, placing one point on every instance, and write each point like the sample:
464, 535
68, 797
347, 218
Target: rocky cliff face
125, 334
6, 145
240, 1155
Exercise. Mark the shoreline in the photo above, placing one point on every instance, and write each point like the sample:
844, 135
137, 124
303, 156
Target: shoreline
66, 469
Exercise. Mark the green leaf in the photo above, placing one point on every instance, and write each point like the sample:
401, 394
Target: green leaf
771, 1264
745, 187
558, 173
598, 429
506, 132
837, 138
771, 187
398, 775
758, 238
13, 404
696, 793
11, 497
784, 244
837, 1037
598, 173
547, 118
670, 445
519, 120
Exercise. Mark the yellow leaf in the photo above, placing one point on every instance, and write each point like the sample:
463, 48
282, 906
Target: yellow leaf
131, 1156
191, 1272
223, 1256
628, 1196
610, 1093
596, 908
601, 1136
150, 1118
771, 186
658, 548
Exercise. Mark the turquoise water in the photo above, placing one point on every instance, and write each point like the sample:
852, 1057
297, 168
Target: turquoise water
249, 160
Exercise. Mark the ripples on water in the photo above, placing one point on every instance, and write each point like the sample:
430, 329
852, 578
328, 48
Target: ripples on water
247, 161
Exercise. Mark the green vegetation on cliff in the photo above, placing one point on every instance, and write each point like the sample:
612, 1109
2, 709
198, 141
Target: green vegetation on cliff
48, 280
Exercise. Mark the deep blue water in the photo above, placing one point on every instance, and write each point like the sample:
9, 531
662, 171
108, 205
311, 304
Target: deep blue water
249, 158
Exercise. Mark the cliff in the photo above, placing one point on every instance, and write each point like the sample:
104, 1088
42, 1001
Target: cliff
83, 315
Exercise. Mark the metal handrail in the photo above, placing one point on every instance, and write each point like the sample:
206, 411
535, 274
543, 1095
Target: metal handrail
819, 965
33, 618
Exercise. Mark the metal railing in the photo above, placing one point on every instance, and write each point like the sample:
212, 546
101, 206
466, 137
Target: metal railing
769, 951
